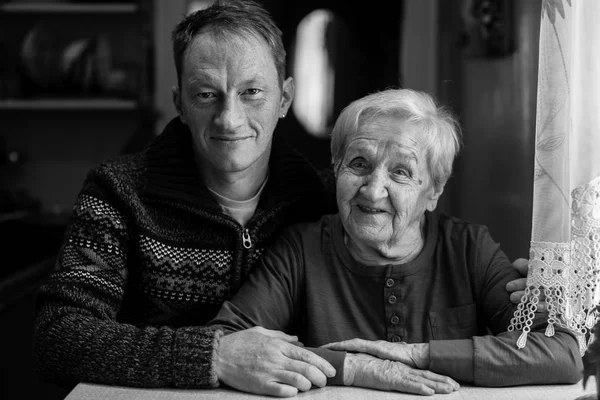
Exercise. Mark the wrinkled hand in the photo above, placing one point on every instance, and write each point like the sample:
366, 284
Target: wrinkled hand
367, 371
262, 361
414, 354
517, 287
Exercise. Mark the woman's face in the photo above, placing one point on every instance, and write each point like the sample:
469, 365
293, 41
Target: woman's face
384, 186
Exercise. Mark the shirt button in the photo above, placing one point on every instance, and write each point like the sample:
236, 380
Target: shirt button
392, 299
389, 282
394, 320
396, 339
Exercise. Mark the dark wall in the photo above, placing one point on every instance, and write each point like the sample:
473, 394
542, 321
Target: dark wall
365, 50
496, 101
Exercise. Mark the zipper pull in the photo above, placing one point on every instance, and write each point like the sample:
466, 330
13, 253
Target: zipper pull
246, 238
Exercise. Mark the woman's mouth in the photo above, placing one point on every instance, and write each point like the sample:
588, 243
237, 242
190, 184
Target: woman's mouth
369, 210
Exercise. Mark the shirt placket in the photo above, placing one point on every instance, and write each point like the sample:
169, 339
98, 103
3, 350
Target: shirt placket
393, 307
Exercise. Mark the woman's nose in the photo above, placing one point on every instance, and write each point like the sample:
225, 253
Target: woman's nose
230, 116
375, 186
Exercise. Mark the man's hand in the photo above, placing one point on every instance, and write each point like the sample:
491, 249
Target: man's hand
367, 371
517, 287
262, 361
413, 355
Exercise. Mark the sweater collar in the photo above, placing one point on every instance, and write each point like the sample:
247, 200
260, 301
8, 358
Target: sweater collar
172, 174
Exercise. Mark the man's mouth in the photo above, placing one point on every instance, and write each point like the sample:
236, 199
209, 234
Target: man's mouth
229, 138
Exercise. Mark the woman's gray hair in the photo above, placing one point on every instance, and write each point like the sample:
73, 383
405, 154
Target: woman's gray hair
440, 128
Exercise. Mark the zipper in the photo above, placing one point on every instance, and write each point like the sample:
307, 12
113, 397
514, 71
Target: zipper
246, 239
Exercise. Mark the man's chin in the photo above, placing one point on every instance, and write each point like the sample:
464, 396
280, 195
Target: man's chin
233, 165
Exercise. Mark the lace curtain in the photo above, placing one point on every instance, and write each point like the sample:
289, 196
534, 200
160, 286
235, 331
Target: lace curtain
564, 262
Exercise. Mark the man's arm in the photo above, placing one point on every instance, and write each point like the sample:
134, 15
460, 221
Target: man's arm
516, 287
77, 337
255, 355
267, 362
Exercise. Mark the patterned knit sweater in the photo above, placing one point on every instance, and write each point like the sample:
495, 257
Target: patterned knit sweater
148, 259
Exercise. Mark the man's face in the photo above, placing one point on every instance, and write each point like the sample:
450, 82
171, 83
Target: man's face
231, 100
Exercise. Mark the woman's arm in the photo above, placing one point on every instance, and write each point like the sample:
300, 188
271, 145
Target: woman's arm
497, 361
490, 360
77, 336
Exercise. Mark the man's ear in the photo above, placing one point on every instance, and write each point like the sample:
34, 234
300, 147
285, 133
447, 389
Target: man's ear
287, 96
177, 103
432, 202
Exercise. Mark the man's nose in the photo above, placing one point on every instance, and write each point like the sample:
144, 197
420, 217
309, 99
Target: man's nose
375, 186
231, 114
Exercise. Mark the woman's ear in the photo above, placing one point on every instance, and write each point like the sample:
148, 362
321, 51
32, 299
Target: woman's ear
177, 103
432, 202
287, 96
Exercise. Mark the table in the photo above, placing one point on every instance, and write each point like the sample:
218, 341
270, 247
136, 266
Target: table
86, 391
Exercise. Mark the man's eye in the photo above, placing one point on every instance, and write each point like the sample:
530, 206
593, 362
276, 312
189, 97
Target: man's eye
252, 91
205, 95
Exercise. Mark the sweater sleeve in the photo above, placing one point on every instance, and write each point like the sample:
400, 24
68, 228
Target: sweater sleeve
77, 335
495, 360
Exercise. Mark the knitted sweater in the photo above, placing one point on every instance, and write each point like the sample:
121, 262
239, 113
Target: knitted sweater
149, 258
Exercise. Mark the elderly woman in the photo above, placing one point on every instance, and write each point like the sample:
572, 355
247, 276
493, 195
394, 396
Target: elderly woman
388, 277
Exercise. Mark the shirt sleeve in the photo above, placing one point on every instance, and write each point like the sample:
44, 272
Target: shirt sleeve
272, 295
272, 298
495, 360
77, 336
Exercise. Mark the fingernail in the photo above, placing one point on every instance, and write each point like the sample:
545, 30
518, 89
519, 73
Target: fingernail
331, 373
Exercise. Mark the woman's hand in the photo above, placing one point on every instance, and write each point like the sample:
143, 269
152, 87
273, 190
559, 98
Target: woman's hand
364, 370
517, 287
413, 355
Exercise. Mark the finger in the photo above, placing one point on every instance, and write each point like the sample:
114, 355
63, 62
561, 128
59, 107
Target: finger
541, 307
307, 356
411, 386
436, 386
515, 297
292, 379
432, 376
378, 348
516, 285
356, 345
308, 371
521, 265
278, 389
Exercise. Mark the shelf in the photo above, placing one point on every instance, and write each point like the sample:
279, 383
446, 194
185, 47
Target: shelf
68, 7
68, 104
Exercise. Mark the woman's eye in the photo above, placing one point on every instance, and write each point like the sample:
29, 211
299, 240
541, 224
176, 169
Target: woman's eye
401, 173
358, 164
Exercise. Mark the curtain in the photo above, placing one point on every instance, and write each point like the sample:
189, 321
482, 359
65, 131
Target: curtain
564, 262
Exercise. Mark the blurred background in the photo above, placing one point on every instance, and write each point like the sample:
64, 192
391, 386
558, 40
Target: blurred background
84, 81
